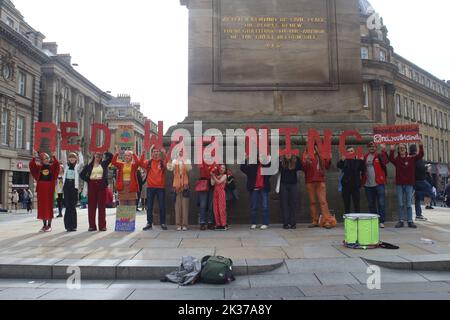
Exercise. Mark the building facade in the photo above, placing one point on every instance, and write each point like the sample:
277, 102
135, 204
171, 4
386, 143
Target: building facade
67, 96
127, 123
397, 91
21, 57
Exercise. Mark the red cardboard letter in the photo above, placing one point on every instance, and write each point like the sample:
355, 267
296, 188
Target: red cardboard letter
66, 135
95, 128
324, 148
342, 143
50, 134
288, 132
151, 139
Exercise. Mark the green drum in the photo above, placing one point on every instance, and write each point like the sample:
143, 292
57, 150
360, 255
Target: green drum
362, 229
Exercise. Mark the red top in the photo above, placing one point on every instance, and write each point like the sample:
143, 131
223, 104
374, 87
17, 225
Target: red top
313, 172
259, 179
134, 186
156, 177
380, 174
205, 173
35, 170
405, 168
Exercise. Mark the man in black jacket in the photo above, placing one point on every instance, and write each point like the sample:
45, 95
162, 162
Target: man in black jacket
259, 187
423, 190
353, 170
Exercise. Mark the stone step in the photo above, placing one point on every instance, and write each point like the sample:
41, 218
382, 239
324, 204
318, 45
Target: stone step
434, 262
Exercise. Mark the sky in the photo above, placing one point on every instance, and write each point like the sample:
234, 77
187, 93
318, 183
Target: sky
140, 47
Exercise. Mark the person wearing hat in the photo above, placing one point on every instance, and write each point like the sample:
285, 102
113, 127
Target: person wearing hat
71, 185
45, 173
374, 180
423, 190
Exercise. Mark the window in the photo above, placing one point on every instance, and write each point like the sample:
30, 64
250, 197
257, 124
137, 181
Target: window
382, 98
398, 106
57, 115
19, 132
446, 152
441, 120
425, 147
410, 73
419, 112
424, 114
382, 55
422, 80
435, 118
405, 107
10, 22
438, 153
416, 76
4, 127
428, 83
22, 83
434, 86
413, 110
431, 151
364, 53
448, 123
444, 120
403, 70
442, 154
430, 116
366, 95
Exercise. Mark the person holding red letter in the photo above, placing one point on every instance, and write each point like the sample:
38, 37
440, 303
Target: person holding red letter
45, 174
315, 185
126, 178
219, 181
96, 175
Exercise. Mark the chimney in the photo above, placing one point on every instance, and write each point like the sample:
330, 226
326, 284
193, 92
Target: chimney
50, 46
66, 58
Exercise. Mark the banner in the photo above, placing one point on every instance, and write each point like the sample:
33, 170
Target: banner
396, 134
125, 137
126, 219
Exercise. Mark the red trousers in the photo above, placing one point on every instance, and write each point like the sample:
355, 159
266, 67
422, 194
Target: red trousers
45, 198
97, 198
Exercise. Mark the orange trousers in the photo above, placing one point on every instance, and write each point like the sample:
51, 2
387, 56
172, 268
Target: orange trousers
318, 190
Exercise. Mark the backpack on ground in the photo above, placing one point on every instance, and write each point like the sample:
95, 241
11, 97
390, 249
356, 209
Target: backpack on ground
216, 270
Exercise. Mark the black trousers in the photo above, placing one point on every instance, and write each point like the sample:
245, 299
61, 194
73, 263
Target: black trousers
349, 194
59, 203
70, 202
289, 203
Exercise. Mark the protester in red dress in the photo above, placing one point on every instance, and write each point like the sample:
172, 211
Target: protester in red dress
45, 175
219, 181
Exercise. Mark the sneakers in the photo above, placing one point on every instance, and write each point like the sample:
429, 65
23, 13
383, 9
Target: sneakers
264, 227
421, 218
286, 227
48, 229
164, 227
412, 225
42, 229
429, 208
293, 227
253, 227
211, 226
382, 226
179, 228
185, 229
202, 227
221, 229
148, 227
399, 225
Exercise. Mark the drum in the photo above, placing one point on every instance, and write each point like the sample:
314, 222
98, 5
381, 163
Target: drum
362, 229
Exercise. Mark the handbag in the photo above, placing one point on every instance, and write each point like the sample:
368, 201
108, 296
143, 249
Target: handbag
202, 186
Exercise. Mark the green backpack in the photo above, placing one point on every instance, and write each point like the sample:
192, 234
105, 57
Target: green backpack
216, 270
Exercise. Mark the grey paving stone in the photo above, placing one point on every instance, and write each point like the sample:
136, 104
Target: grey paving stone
393, 277
326, 265
405, 288
435, 275
404, 296
333, 298
317, 291
145, 269
257, 293
19, 283
142, 284
262, 281
177, 294
335, 278
240, 282
22, 293
87, 294
85, 284
95, 269
263, 265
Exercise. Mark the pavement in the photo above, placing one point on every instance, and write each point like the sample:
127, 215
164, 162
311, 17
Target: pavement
26, 253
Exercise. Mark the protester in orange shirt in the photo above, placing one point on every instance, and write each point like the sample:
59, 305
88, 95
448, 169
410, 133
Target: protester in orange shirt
156, 183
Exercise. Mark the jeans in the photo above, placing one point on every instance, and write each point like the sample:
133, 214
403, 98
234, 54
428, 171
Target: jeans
161, 195
206, 213
376, 198
255, 197
404, 193
423, 190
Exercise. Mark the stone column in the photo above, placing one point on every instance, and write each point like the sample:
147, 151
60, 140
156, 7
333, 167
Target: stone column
390, 104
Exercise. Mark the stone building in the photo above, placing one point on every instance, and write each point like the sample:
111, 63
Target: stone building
67, 96
125, 117
21, 57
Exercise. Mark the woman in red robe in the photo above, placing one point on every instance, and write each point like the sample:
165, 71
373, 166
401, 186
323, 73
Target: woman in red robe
45, 174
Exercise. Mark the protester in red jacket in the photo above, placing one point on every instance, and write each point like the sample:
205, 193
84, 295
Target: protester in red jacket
405, 179
45, 175
316, 187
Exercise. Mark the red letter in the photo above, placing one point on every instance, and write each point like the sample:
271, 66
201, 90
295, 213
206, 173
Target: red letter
65, 135
50, 134
107, 141
342, 143
151, 139
288, 132
324, 148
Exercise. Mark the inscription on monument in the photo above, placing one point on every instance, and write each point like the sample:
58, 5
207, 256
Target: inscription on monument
275, 45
